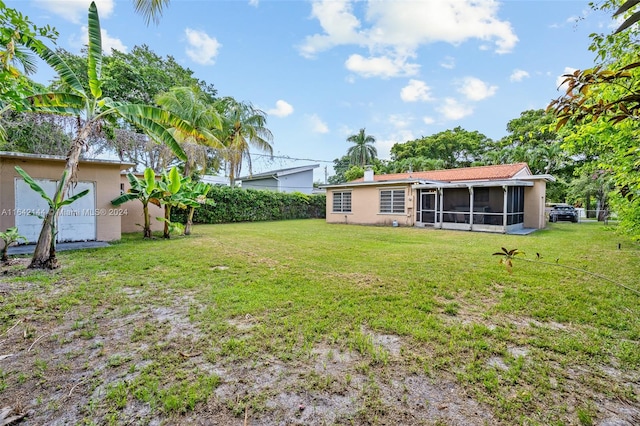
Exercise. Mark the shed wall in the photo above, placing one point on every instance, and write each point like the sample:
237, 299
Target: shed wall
105, 176
133, 220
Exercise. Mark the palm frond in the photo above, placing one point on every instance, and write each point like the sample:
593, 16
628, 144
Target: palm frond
157, 132
151, 10
65, 73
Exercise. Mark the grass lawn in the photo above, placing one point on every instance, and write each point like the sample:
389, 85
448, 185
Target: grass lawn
301, 322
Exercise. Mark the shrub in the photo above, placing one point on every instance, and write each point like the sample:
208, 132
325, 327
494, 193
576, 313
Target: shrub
250, 205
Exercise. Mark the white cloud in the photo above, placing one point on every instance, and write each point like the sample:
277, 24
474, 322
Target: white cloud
317, 125
339, 24
381, 66
399, 121
475, 89
384, 143
428, 120
415, 91
448, 62
451, 109
559, 80
76, 10
108, 42
518, 75
282, 109
202, 48
254, 3
397, 29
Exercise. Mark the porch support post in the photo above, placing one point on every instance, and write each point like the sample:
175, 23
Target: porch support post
504, 208
471, 207
440, 204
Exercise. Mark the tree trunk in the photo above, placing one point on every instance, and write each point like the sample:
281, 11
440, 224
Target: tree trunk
43, 255
146, 231
587, 206
187, 227
167, 218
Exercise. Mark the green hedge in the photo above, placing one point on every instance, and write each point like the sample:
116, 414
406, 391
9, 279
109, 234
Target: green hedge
250, 205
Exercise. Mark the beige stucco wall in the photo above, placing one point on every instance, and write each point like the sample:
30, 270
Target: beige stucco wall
106, 177
133, 220
365, 207
534, 202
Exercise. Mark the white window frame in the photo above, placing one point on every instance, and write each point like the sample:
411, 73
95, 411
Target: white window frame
341, 208
393, 208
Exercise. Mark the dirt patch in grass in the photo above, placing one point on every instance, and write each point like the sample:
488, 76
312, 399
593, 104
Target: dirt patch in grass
113, 365
144, 361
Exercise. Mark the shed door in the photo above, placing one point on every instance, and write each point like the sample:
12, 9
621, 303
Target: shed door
76, 222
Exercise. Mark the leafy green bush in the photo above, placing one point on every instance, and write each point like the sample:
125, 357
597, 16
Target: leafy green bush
250, 205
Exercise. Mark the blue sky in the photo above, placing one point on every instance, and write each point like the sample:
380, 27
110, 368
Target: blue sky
323, 69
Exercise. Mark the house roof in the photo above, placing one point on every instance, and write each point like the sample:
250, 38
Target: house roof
280, 172
60, 158
497, 172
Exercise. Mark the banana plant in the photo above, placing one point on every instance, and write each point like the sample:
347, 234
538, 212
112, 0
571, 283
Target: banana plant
196, 192
92, 110
55, 204
146, 190
10, 236
173, 195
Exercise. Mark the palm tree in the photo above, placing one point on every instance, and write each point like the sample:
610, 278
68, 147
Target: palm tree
16, 61
92, 110
243, 127
363, 152
151, 10
550, 156
188, 104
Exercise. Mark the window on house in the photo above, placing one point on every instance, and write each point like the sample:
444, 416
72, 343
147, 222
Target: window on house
342, 202
392, 201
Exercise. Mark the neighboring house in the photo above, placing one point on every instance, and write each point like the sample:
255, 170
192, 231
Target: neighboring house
502, 198
216, 180
294, 179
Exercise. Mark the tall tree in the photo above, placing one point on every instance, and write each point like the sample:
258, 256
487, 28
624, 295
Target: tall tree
243, 127
456, 148
600, 111
16, 61
92, 110
189, 104
364, 151
47, 134
340, 166
137, 76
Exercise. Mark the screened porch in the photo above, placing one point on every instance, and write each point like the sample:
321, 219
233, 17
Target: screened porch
486, 206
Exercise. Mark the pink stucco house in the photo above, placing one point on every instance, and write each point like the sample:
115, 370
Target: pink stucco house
502, 198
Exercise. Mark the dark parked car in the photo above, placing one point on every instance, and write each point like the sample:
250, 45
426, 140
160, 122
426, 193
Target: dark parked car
563, 213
